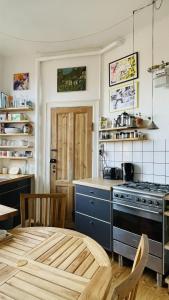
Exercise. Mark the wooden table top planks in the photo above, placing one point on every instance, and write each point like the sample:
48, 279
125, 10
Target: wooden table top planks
6, 212
52, 263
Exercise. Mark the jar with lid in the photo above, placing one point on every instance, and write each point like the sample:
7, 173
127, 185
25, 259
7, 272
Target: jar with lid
131, 134
135, 134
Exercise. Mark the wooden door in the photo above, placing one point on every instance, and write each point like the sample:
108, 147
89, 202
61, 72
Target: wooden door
71, 147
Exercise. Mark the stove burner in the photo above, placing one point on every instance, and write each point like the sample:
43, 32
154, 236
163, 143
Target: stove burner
147, 186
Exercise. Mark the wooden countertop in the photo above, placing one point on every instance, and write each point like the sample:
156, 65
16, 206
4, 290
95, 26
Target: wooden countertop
8, 178
7, 212
98, 182
52, 263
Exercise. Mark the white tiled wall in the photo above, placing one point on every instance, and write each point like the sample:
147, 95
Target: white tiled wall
150, 158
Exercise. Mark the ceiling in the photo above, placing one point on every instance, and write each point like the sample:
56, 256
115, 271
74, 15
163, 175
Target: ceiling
48, 27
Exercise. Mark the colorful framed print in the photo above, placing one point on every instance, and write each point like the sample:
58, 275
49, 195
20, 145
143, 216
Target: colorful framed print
124, 96
21, 81
71, 79
123, 69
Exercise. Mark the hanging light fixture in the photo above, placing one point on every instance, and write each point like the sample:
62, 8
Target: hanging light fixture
152, 125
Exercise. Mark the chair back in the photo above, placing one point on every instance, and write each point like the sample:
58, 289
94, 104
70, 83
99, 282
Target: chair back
127, 289
43, 209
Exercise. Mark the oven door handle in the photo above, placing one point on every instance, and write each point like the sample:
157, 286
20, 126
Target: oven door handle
138, 208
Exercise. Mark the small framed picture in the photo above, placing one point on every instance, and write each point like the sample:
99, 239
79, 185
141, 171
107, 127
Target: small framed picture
124, 96
123, 69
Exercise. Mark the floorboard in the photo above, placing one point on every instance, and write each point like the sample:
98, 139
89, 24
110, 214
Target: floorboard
147, 287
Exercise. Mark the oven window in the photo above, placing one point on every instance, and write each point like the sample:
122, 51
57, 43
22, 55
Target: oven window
138, 225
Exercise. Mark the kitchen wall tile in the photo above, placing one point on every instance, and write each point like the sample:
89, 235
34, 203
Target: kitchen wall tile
159, 145
159, 157
167, 157
127, 146
109, 155
147, 145
167, 169
159, 179
118, 156
118, 146
167, 180
147, 168
138, 146
110, 147
138, 168
110, 163
167, 144
147, 178
159, 169
148, 157
137, 157
127, 156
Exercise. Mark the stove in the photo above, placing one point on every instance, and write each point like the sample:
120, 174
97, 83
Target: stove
138, 208
146, 187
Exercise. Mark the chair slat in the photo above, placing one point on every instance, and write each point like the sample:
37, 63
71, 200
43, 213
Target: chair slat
43, 209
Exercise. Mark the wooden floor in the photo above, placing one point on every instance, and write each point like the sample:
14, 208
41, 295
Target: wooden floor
147, 288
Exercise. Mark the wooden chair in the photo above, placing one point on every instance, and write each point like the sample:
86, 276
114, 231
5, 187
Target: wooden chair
127, 289
43, 209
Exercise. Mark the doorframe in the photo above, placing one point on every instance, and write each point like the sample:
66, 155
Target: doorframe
45, 175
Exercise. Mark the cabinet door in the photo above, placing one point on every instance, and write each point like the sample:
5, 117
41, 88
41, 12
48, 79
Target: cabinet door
93, 207
10, 196
98, 230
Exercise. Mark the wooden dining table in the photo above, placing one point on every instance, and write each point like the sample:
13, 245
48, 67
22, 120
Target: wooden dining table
52, 263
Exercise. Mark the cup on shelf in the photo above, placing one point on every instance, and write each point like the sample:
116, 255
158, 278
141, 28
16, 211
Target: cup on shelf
4, 170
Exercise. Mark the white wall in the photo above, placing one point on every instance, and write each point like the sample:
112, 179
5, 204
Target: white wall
1, 73
12, 65
149, 164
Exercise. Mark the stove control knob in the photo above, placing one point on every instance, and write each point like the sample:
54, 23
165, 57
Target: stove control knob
157, 203
116, 195
150, 202
138, 199
121, 196
144, 200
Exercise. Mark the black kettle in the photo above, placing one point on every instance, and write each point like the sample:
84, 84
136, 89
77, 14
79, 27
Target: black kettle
128, 171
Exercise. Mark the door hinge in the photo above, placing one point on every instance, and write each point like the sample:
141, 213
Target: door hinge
92, 126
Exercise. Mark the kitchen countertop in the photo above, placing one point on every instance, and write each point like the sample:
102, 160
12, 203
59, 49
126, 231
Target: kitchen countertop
12, 178
98, 182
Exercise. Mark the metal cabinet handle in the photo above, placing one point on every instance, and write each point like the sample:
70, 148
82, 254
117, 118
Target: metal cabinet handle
91, 202
91, 222
91, 192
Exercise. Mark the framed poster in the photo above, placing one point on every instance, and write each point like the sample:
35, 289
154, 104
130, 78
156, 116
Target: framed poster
123, 69
124, 96
21, 81
71, 79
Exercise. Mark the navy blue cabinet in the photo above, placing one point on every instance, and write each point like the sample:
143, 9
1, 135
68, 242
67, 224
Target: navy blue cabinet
93, 214
10, 196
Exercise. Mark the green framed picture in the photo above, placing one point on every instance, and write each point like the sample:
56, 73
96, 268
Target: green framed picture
71, 79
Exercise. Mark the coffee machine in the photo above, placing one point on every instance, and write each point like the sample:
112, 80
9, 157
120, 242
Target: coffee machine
128, 171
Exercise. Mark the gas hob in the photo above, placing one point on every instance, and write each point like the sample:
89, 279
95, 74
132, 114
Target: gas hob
145, 188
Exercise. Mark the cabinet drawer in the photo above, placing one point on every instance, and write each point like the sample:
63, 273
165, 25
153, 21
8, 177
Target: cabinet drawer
93, 207
98, 193
98, 230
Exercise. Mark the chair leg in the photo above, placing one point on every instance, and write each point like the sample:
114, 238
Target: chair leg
120, 260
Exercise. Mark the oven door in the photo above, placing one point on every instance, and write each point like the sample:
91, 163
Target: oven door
138, 221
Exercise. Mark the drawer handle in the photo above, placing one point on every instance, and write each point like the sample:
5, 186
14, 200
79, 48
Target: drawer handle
91, 202
91, 192
91, 222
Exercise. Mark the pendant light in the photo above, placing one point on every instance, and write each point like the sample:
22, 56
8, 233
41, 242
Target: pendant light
152, 125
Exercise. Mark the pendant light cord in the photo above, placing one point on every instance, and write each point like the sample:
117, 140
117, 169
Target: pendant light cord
133, 52
152, 59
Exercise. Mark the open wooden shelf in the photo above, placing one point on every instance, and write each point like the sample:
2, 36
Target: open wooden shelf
15, 134
16, 122
121, 140
15, 158
16, 109
120, 128
16, 147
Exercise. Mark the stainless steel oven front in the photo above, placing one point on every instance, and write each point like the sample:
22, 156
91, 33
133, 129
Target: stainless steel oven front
132, 216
